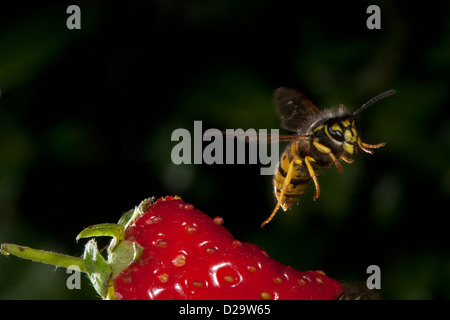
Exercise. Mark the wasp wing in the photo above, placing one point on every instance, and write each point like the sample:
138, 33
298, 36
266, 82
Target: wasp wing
293, 107
267, 138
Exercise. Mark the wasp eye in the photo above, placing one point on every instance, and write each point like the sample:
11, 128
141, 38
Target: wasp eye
338, 135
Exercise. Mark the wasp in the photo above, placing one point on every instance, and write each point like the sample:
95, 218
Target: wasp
321, 139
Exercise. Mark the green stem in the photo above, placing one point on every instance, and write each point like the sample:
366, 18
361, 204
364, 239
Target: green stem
56, 259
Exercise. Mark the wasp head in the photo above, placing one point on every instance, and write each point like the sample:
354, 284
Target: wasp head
343, 132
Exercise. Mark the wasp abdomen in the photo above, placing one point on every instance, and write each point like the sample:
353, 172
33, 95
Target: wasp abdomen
298, 181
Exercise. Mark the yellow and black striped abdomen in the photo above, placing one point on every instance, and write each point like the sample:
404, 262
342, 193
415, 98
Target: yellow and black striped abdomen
299, 180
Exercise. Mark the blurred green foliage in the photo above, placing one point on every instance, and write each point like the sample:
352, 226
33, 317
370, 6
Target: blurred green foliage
86, 118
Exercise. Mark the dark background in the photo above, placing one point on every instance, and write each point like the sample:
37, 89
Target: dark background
86, 118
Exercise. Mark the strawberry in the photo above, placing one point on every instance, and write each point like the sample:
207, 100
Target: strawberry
167, 249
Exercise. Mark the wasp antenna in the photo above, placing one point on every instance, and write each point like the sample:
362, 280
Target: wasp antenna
373, 100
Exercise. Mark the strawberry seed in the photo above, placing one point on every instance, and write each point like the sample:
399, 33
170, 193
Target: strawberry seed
163, 277
228, 278
218, 220
210, 250
277, 280
179, 261
265, 295
161, 243
191, 230
251, 269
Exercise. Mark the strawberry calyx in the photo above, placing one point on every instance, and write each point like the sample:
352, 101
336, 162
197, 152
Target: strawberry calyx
121, 253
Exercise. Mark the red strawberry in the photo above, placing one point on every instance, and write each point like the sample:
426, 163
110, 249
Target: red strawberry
167, 249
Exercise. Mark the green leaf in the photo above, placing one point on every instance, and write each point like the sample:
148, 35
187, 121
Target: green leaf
103, 229
125, 254
126, 218
131, 216
98, 269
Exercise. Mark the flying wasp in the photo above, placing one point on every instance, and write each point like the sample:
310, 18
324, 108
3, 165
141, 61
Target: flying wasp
321, 139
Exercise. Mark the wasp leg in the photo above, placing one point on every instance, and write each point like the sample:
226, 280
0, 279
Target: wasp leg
308, 161
366, 147
348, 160
284, 188
274, 212
326, 150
